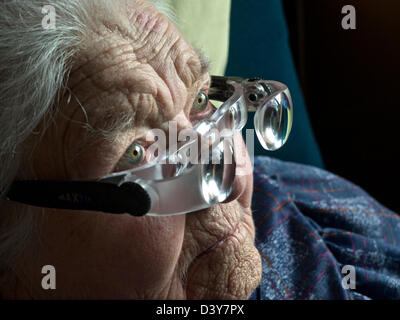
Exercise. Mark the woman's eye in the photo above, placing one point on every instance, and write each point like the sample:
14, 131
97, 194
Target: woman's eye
134, 154
200, 103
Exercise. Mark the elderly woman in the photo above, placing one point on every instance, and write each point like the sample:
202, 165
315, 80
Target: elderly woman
78, 102
74, 100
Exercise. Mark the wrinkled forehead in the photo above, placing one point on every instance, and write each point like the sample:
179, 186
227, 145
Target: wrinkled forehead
138, 31
139, 57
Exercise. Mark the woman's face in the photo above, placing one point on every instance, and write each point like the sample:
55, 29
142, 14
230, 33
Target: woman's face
144, 70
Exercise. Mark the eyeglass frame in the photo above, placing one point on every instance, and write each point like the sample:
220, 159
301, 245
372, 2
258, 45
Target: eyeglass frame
137, 191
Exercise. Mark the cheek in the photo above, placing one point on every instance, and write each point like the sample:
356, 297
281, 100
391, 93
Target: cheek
149, 246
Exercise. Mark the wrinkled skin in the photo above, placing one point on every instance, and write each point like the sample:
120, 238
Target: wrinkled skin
149, 69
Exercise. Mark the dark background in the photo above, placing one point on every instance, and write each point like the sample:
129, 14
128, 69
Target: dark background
350, 81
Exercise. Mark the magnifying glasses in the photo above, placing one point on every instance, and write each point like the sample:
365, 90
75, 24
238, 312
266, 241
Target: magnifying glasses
174, 183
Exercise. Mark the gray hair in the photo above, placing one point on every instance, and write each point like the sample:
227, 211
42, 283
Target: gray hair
34, 65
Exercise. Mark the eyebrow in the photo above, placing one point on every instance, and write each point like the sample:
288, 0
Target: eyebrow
205, 62
117, 125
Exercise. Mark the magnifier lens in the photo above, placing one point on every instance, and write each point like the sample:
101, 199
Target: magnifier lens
239, 113
273, 122
219, 174
235, 116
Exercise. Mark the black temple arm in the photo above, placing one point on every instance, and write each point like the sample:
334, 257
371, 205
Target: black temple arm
129, 197
220, 90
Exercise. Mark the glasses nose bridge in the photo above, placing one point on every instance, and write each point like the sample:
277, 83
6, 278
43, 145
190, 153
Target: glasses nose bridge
174, 129
184, 126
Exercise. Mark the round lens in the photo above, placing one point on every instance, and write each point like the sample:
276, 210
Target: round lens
232, 116
239, 113
218, 174
273, 122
